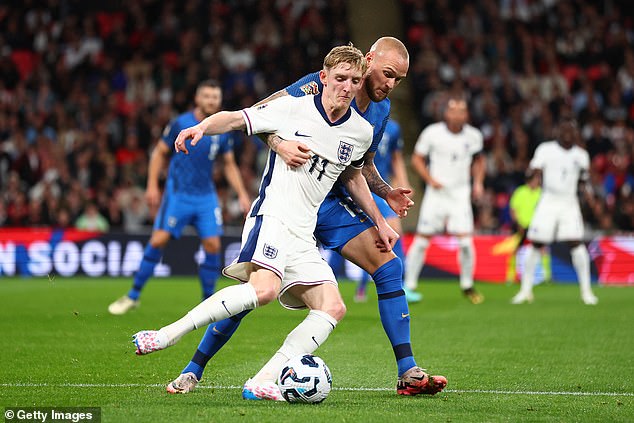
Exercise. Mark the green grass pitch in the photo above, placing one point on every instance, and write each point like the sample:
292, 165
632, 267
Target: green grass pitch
554, 360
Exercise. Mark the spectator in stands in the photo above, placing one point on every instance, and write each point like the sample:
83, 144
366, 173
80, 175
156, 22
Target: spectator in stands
92, 220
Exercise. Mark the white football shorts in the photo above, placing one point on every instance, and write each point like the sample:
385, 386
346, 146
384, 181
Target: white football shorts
445, 210
556, 219
267, 242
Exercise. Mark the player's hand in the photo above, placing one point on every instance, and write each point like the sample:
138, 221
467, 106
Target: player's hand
387, 237
245, 203
194, 132
294, 153
153, 197
399, 201
435, 184
478, 191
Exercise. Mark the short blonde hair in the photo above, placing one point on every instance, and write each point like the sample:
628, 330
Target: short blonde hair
346, 54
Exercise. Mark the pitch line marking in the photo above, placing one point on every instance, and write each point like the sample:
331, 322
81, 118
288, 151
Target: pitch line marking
358, 389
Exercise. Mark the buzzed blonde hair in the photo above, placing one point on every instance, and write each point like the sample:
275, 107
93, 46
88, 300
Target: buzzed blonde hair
385, 44
346, 54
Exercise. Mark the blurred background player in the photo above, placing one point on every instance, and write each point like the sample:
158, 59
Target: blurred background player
390, 165
522, 208
343, 228
563, 165
190, 195
453, 148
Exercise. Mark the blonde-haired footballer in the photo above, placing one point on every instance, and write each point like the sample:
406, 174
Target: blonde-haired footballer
278, 256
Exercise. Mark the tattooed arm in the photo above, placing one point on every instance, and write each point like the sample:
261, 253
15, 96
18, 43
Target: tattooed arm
397, 198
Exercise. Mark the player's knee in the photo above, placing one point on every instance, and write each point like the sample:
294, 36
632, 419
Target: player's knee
336, 309
211, 245
159, 239
389, 277
265, 294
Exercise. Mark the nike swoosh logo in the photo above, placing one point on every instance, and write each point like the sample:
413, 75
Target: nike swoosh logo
217, 331
315, 341
403, 315
297, 134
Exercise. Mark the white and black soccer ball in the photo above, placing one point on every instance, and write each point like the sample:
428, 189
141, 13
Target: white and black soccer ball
305, 378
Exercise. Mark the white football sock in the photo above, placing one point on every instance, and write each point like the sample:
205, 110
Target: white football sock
530, 265
466, 260
415, 260
581, 263
225, 303
304, 339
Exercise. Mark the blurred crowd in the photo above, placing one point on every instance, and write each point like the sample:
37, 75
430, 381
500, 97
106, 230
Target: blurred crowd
87, 88
523, 64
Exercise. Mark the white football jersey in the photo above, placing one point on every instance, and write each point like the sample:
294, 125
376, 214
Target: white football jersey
294, 194
450, 155
561, 168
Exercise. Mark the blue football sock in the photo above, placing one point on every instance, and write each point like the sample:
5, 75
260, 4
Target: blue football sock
151, 257
398, 250
209, 272
395, 312
215, 337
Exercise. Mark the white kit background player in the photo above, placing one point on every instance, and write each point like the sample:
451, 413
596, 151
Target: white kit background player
452, 147
278, 255
563, 165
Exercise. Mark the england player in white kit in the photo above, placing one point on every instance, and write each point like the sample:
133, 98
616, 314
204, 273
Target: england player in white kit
279, 256
450, 147
557, 217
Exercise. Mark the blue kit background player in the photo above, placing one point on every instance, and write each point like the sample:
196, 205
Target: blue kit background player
391, 166
342, 227
190, 195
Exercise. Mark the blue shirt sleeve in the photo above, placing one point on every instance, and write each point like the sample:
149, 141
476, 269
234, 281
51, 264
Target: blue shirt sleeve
307, 85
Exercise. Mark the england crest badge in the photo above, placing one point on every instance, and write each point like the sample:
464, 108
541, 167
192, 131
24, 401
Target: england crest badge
269, 251
345, 151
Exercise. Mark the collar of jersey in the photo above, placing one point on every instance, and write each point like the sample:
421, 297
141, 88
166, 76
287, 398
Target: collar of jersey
320, 107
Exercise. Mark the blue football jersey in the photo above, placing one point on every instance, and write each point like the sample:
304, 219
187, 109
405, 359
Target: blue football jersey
390, 143
192, 174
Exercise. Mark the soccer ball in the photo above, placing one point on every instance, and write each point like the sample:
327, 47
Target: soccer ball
305, 378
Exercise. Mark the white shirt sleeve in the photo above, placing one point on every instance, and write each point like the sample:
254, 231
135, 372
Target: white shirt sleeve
268, 117
478, 141
423, 144
537, 162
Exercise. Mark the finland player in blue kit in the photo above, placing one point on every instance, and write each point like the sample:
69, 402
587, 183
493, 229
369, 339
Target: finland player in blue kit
190, 195
342, 227
391, 166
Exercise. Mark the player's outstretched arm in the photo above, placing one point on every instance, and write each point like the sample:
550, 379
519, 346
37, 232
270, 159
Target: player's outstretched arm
358, 188
215, 124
